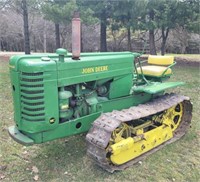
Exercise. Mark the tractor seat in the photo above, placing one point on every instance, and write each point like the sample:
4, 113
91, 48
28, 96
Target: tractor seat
158, 66
154, 71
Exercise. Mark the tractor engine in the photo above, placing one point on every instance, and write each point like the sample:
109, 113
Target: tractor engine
55, 92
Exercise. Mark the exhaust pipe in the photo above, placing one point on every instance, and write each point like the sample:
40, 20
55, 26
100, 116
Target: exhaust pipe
76, 36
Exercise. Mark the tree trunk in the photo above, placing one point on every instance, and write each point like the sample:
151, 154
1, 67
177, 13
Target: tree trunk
26, 30
57, 34
152, 42
129, 38
103, 46
151, 34
164, 40
45, 37
34, 44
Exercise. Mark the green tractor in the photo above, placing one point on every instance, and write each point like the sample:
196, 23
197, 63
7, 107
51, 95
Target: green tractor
118, 99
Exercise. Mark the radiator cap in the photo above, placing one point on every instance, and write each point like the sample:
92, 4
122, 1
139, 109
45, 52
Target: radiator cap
62, 53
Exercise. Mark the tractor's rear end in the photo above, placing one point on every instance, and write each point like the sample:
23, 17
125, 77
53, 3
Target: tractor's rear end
119, 139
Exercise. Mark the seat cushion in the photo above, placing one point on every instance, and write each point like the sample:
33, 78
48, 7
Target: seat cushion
156, 71
160, 60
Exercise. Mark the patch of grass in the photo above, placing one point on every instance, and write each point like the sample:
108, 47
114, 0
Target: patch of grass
66, 160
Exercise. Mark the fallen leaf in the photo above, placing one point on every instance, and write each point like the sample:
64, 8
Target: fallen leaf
35, 169
25, 152
36, 177
140, 162
2, 176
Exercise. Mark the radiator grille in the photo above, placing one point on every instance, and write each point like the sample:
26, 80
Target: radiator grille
32, 96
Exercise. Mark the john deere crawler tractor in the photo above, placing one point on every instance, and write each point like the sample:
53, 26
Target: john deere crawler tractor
119, 100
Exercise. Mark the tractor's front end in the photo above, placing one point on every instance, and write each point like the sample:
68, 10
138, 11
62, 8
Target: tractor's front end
34, 90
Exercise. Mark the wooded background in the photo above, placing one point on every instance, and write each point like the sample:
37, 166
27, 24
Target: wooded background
152, 26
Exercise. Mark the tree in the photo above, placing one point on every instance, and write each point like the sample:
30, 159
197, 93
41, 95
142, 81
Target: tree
150, 22
4, 3
118, 19
21, 7
168, 15
174, 14
165, 15
127, 14
26, 29
103, 10
60, 12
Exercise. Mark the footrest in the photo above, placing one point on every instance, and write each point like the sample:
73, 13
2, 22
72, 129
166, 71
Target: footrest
156, 87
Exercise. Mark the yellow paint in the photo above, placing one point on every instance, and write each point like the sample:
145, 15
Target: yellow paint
160, 60
154, 70
128, 149
87, 70
139, 131
173, 116
129, 142
94, 69
117, 133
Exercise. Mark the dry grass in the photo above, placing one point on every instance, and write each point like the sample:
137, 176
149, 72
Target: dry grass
66, 160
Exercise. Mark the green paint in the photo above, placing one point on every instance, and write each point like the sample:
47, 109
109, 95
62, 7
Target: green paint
55, 96
156, 87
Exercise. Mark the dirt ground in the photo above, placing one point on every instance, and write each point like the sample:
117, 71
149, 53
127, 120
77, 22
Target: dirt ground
182, 61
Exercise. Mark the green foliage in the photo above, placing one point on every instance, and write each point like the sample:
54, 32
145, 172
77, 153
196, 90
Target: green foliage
189, 16
86, 13
166, 15
103, 10
127, 14
59, 11
171, 13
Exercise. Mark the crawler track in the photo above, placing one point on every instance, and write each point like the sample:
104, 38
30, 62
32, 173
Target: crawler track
99, 135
